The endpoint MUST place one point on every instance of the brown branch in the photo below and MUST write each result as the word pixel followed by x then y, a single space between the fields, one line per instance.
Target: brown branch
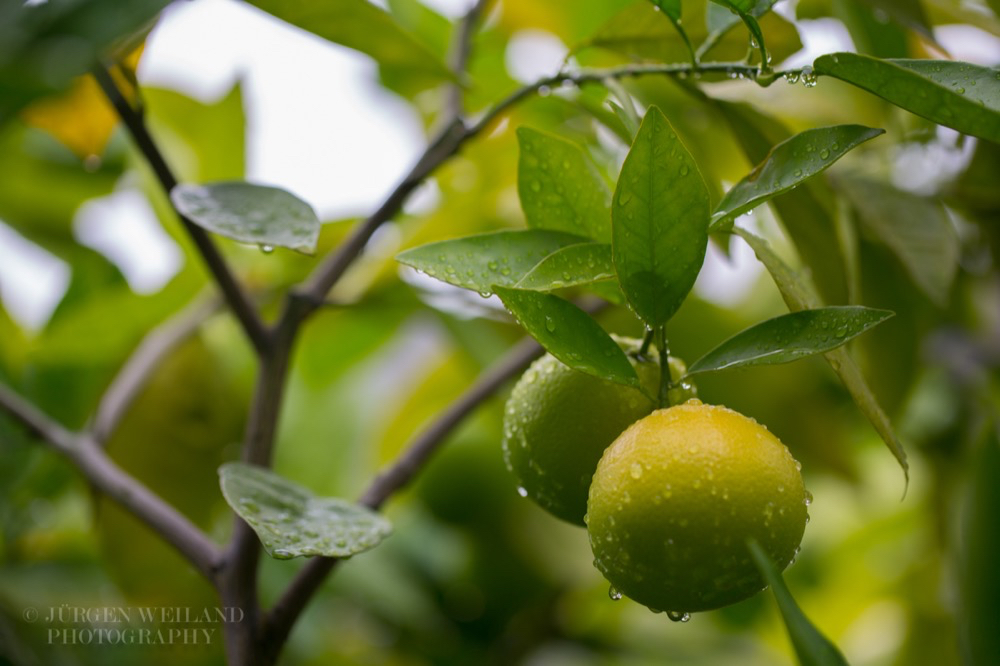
pixel 132 376
pixel 87 456
pixel 278 623
pixel 238 301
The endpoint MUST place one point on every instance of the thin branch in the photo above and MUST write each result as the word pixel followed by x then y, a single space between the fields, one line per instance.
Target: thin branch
pixel 134 375
pixel 460 57
pixel 286 611
pixel 87 456
pixel 238 301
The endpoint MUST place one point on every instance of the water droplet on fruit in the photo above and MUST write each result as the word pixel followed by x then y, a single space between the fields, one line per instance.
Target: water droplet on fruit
pixel 808 498
pixel 636 470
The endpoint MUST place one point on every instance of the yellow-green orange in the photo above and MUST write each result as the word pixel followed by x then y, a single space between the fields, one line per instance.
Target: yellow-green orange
pixel 675 499
pixel 558 422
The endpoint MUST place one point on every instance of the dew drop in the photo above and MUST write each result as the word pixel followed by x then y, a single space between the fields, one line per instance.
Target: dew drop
pixel 678 616
pixel 267 249
pixel 808 499
pixel 522 491
pixel 614 594
pixel 824 154
pixel 635 471
pixel 550 324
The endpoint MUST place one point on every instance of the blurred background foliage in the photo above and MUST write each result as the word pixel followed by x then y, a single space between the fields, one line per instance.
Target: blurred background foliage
pixel 473 573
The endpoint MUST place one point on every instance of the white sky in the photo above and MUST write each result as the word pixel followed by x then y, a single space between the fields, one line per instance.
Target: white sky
pixel 319 126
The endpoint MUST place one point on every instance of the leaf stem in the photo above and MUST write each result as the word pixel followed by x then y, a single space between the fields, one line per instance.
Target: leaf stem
pixel 666 383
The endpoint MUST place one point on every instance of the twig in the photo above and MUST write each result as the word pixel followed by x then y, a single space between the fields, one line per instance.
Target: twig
pixel 117 484
pixel 278 623
pixel 132 377
pixel 255 329
pixel 460 57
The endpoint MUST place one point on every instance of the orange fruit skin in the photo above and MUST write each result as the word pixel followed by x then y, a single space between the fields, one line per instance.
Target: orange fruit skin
pixel 675 499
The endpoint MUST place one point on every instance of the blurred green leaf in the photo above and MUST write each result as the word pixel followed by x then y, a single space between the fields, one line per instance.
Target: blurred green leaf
pixel 569 334
pixel 481 261
pixel 672 8
pixel 292 522
pixel 360 25
pixel 571 266
pixel 560 188
pixel 44 45
pixel 959 95
pixel 790 337
pixel 916 229
pixel 203 142
pixel 788 164
pixel 268 216
pixel 811 647
pixel 979 552
pixel 659 221
pixel 798 297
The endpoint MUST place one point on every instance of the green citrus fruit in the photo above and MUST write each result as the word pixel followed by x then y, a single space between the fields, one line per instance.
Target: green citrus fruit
pixel 558 421
pixel 675 499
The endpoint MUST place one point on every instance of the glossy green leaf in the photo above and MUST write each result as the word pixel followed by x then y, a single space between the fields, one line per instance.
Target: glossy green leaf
pixel 811 647
pixel 571 266
pixel 805 213
pixel 560 188
pixel 791 337
pixel 798 297
pixel 659 221
pixel 719 17
pixel 292 522
pixel 268 216
pixel 569 334
pixel 481 261
pixel 788 164
pixel 364 27
pixel 959 95
pixel 916 229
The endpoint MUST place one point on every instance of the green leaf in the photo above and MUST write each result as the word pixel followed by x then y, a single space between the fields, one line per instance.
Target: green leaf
pixel 798 297
pixel 811 647
pixel 805 213
pixel 744 8
pixel 916 229
pixel 569 334
pixel 791 337
pixel 481 261
pixel 571 266
pixel 672 8
pixel 44 45
pixel 360 25
pixel 659 221
pixel 959 95
pixel 292 522
pixel 979 550
pixel 788 164
pixel 268 216
pixel 560 188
